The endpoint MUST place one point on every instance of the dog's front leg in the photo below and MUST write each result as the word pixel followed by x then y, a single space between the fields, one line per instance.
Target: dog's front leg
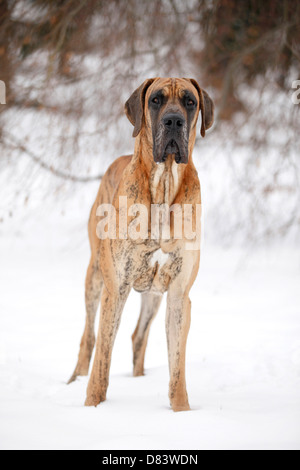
pixel 112 304
pixel 177 328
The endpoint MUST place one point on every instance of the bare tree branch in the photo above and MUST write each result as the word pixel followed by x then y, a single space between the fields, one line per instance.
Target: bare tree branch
pixel 236 61
pixel 9 140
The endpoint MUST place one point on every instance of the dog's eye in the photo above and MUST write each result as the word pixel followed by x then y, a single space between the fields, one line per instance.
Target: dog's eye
pixel 155 100
pixel 190 102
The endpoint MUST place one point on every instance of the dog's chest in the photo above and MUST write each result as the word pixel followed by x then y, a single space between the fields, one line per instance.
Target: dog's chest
pixel 157 270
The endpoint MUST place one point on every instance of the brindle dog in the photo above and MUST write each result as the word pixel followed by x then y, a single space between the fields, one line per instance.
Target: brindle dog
pixel 164 114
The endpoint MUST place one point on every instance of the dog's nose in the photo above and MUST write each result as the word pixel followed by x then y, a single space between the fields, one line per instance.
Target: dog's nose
pixel 173 122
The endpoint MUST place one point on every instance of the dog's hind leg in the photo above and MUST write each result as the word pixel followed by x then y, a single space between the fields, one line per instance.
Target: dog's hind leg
pixel 149 309
pixel 93 288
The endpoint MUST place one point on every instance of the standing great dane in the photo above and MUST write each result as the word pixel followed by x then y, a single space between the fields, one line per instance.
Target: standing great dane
pixel 164 113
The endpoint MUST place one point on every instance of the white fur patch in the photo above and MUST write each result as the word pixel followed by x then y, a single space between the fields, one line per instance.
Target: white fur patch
pixel 175 175
pixel 157 176
pixel 159 257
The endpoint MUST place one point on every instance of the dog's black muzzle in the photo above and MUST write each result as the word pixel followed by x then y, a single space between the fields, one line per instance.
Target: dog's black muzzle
pixel 172 139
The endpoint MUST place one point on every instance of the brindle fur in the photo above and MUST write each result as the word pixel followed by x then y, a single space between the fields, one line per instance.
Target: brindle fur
pixel 119 265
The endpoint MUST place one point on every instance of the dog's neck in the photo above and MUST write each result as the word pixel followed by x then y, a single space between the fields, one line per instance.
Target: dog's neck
pixel 165 181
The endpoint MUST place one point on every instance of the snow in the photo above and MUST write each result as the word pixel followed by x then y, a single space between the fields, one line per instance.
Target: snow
pixel 243 358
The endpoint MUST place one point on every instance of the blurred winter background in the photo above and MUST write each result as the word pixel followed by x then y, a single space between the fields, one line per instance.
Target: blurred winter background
pixel 68 67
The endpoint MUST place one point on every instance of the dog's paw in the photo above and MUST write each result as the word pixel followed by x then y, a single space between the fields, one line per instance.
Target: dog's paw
pixel 72 379
pixel 184 407
pixel 94 399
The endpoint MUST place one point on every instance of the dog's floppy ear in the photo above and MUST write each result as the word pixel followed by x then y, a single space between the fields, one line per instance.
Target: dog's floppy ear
pixel 206 107
pixel 134 106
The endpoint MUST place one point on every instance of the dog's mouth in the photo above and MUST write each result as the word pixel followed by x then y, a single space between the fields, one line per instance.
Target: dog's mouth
pixel 172 148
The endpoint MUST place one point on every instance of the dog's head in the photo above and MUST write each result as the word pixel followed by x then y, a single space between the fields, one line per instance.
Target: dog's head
pixel 167 110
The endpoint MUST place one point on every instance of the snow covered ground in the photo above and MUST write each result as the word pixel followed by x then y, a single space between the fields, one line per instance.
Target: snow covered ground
pixel 243 359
